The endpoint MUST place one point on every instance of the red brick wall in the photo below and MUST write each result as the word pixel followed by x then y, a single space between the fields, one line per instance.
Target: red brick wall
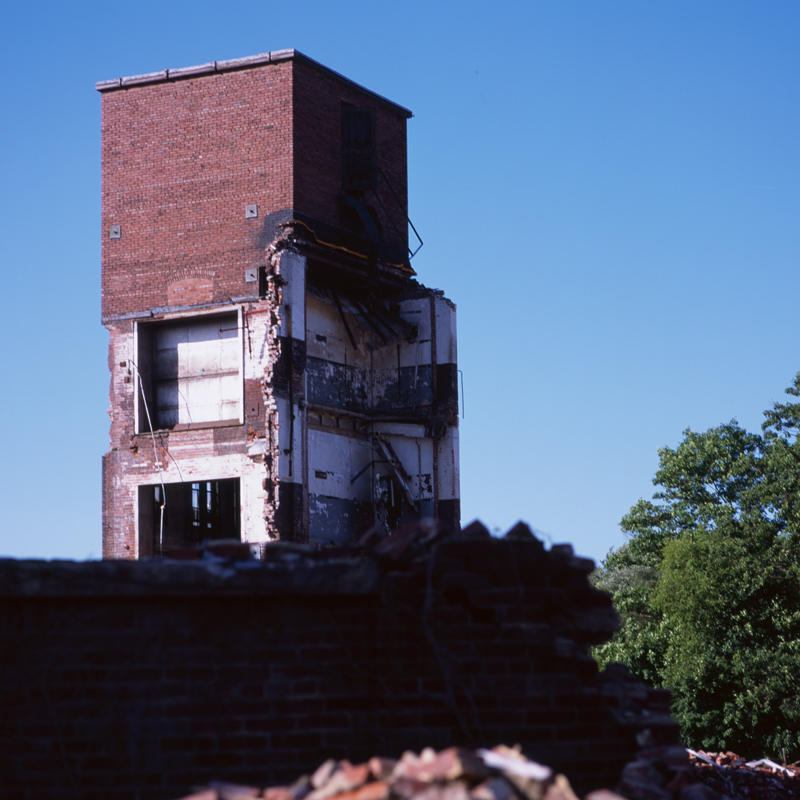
pixel 180 161
pixel 318 100
pixel 131 459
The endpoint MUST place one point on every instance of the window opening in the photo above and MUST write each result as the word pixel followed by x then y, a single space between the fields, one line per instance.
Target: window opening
pixel 192 513
pixel 190 371
pixel 359 151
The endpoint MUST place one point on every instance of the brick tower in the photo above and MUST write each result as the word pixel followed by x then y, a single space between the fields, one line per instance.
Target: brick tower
pixel 276 370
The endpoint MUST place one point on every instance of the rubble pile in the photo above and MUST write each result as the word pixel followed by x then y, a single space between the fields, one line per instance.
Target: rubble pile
pixel 660 773
pixel 455 773
pixel 729 775
pixel 666 772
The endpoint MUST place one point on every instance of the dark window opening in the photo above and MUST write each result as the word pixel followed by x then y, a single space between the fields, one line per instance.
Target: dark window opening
pixel 193 513
pixel 388 504
pixel 359 150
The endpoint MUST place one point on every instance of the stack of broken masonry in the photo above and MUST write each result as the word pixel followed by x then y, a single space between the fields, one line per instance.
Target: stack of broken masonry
pixel 730 775
pixel 658 773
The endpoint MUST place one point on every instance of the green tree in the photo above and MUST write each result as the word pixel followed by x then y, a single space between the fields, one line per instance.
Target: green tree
pixel 708 585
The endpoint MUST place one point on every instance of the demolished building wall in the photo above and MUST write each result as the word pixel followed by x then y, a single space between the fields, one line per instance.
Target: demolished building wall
pixel 141 680
pixel 276 370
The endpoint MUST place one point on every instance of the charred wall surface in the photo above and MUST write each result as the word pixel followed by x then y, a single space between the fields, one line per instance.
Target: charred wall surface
pixel 141 680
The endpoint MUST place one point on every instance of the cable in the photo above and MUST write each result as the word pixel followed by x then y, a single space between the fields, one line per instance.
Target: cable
pixel 186 403
pixel 291 222
pixel 155 455
pixel 177 466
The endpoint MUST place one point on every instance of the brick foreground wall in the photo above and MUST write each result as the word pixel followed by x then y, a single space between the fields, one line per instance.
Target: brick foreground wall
pixel 144 679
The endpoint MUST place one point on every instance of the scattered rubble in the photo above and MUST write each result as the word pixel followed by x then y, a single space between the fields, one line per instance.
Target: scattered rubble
pixel 729 775
pixel 667 772
pixel 455 773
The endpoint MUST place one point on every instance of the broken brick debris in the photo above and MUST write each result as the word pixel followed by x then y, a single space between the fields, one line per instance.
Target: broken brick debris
pixel 454 773
pixel 729 775
pixel 667 772
pixel 675 773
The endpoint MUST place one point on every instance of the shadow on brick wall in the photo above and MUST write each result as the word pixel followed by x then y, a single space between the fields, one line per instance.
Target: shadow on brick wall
pixel 143 679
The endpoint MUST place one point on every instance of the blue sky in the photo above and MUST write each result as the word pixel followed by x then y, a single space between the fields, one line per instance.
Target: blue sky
pixel 609 191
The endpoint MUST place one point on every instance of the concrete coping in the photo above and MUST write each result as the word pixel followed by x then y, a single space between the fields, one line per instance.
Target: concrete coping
pixel 232 64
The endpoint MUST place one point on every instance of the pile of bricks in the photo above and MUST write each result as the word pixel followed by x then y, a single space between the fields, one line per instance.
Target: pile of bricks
pixel 665 772
pixel 455 773
pixel 730 775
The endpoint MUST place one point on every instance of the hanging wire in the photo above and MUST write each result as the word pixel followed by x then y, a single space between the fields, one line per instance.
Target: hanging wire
pixel 155 455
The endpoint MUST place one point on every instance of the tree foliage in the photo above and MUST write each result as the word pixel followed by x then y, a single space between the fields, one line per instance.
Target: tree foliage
pixel 708 585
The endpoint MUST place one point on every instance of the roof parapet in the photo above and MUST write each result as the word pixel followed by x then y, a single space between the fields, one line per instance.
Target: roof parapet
pixel 232 64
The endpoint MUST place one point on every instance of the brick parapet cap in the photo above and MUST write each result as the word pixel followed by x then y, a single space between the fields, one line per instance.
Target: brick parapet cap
pixel 291 574
pixel 233 64
pixel 470 567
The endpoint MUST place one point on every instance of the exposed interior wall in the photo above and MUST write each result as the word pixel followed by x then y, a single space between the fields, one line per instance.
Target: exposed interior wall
pixel 375 426
pixel 191 371
pixel 349 414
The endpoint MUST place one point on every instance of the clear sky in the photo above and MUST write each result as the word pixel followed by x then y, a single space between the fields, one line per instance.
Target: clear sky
pixel 609 191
